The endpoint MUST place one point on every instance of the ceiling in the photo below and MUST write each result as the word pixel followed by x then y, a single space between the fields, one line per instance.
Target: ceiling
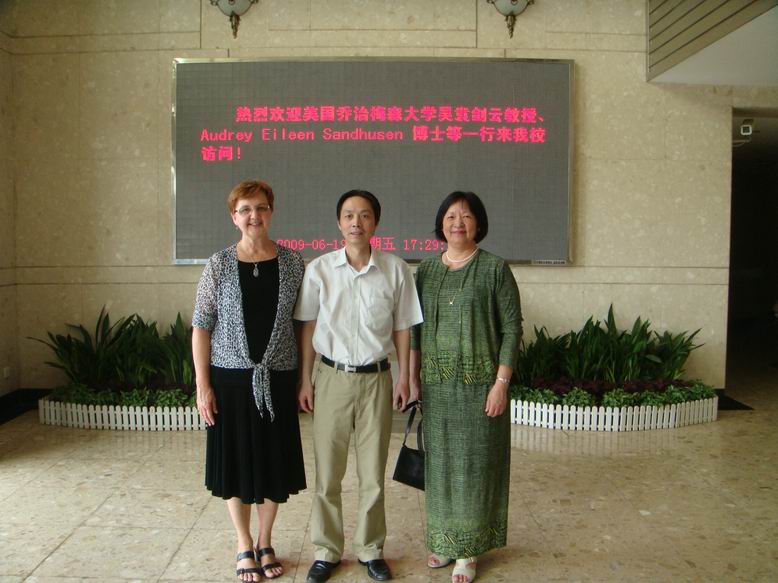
pixel 746 56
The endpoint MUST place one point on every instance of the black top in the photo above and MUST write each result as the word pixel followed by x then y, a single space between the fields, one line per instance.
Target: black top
pixel 260 303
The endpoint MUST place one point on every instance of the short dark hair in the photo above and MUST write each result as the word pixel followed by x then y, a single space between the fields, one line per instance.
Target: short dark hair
pixel 476 206
pixel 368 196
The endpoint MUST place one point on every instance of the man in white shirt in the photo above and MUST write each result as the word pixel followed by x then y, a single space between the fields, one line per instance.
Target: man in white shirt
pixel 357 305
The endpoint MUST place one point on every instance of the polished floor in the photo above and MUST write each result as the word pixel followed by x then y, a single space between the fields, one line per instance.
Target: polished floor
pixel 693 504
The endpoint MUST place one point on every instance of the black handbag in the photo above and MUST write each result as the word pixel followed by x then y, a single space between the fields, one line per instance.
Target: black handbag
pixel 410 463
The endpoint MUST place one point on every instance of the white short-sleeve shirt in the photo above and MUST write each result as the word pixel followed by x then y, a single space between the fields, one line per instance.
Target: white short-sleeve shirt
pixel 356 312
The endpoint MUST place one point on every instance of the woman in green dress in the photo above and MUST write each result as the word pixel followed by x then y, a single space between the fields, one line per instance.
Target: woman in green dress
pixel 462 361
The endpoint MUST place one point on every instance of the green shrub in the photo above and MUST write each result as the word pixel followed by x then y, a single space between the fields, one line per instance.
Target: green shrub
pixel 171 398
pixel 699 390
pixel 541 396
pixel 135 398
pixel 618 398
pixel 578 398
pixel 128 354
pixel 673 395
pixel 650 399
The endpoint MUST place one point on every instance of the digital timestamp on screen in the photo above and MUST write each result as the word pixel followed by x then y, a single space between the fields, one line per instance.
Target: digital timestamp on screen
pixel 382 243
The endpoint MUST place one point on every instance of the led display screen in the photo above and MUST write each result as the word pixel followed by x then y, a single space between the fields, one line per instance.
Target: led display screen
pixel 409 131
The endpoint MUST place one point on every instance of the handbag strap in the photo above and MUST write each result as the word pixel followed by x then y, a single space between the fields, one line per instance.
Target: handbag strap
pixel 419 432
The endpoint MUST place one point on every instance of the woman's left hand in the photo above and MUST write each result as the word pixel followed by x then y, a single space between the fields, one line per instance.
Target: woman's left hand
pixel 497 400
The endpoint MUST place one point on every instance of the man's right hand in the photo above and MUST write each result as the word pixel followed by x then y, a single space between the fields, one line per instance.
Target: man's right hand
pixel 305 396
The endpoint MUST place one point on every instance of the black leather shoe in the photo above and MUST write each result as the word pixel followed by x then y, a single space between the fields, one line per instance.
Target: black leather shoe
pixel 377 569
pixel 320 571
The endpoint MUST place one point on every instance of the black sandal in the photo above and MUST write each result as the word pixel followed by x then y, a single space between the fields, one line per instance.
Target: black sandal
pixel 247 570
pixel 270 566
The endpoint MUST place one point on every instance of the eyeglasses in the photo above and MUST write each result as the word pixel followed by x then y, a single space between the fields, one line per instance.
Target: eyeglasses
pixel 245 211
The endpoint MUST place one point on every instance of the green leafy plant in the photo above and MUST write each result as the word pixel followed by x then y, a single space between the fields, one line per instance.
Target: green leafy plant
pixel 699 390
pixel 618 398
pixel 541 396
pixel 140 355
pixel 178 365
pixel 672 352
pixel 674 395
pixel 171 398
pixel 541 358
pixel 578 398
pixel 88 359
pixel 135 398
pixel 650 399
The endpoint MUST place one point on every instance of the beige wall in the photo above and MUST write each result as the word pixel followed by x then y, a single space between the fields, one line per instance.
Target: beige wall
pixel 91 101
pixel 8 329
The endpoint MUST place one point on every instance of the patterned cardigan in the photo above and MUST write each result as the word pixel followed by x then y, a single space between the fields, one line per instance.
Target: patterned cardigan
pixel 219 309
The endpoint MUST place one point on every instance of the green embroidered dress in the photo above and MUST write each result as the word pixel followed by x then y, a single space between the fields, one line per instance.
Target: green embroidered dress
pixel 472 324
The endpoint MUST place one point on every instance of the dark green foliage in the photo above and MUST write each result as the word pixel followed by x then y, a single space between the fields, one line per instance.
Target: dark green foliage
pixel 136 398
pixel 542 358
pixel 86 359
pixel 650 399
pixel 603 353
pixel 178 368
pixel 126 357
pixel 578 398
pixel 618 398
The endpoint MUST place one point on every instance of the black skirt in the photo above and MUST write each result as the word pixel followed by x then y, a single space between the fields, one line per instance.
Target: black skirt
pixel 248 456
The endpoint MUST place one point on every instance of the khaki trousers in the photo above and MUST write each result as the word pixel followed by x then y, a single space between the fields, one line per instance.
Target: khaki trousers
pixel 346 403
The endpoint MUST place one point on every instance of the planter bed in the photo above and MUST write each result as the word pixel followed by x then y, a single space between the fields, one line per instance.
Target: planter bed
pixel 120 418
pixel 613 418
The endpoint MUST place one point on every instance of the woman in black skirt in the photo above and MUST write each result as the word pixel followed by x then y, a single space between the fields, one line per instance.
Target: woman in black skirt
pixel 245 359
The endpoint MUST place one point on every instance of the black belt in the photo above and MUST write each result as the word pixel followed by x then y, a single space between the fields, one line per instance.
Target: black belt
pixel 380 366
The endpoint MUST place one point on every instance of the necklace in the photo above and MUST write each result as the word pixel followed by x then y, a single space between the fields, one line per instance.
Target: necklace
pixel 255 273
pixel 448 257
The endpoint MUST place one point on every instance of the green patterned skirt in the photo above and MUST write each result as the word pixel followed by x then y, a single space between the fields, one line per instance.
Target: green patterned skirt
pixel 467 470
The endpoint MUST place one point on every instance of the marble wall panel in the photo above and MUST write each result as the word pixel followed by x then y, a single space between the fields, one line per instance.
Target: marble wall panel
pixel 697 123
pixel 652 213
pixel 100 17
pixel 7 206
pixel 42 309
pixel 9 356
pixel 396 15
pixel 101 213
pixel 557 307
pixel 123 211
pixel 291 14
pixel 117 113
pixel 617 116
pixel 5 40
pixel 175 298
pixel 597 16
pixel 179 15
pixel 120 300
pixel 26 18
pixel 46 106
pixel 390 38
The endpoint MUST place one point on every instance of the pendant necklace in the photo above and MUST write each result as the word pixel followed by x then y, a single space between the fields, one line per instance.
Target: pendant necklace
pixel 255 273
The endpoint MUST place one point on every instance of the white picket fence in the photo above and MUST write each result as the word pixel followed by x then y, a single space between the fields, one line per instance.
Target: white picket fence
pixel 121 418
pixel 613 418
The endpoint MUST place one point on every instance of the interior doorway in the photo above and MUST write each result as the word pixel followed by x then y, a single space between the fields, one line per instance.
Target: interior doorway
pixel 752 335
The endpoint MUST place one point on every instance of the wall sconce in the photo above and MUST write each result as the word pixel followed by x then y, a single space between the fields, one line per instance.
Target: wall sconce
pixel 234 9
pixel 510 9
